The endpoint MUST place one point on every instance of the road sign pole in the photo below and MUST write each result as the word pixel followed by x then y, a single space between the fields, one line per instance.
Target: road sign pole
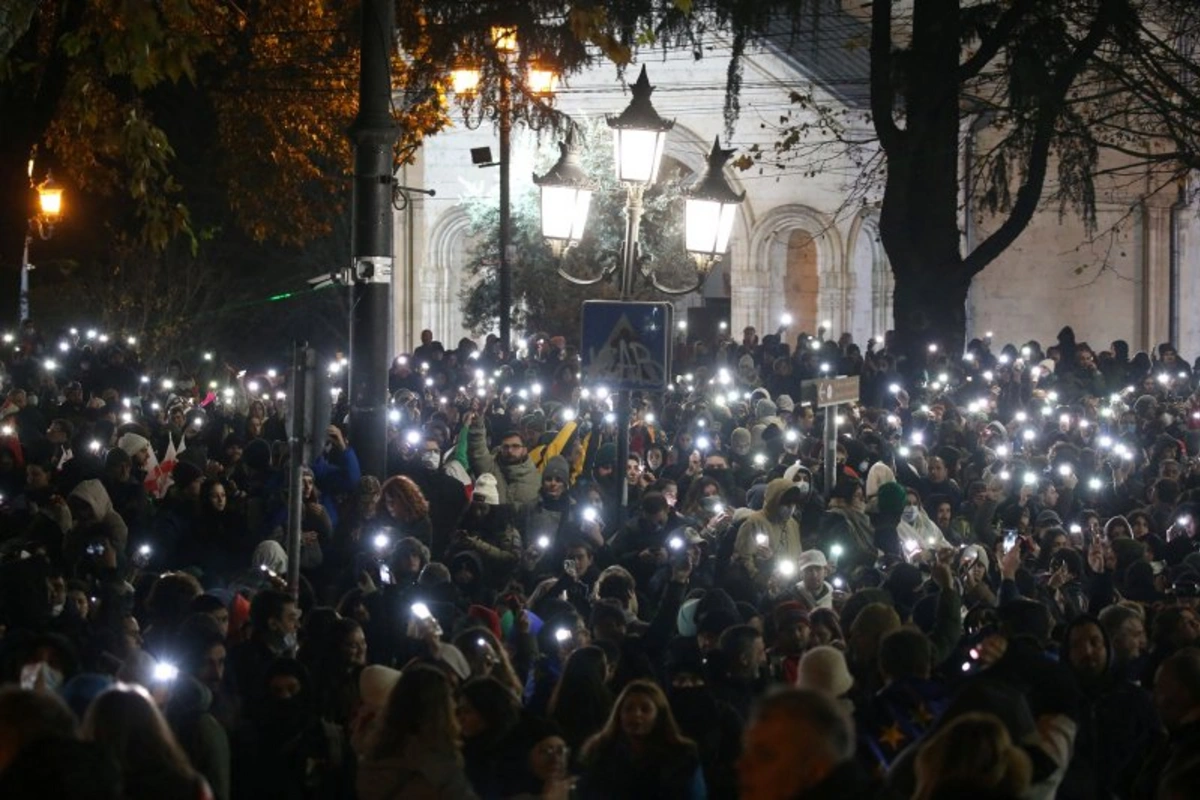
pixel 829 394
pixel 830 449
pixel 623 403
pixel 626 347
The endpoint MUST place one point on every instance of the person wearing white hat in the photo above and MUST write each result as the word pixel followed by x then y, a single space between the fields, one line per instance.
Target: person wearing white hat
pixel 375 683
pixel 825 668
pixel 813 589
pixel 138 448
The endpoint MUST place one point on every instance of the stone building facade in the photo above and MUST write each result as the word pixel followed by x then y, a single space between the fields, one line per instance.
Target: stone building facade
pixel 796 247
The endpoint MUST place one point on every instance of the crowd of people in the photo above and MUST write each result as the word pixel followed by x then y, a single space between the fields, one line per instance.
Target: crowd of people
pixel 996 597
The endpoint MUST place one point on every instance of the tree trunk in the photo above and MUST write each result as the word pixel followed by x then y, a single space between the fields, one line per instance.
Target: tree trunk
pixel 930 309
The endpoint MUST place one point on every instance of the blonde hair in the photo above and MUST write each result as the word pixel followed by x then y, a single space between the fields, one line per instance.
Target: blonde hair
pixel 972 752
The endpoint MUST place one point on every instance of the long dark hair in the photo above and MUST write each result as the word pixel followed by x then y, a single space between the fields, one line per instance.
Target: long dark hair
pixel 495 704
pixel 665 736
pixel 581 701
pixel 693 500
pixel 125 722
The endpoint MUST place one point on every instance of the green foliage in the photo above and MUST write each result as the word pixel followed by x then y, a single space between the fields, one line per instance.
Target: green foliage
pixel 543 300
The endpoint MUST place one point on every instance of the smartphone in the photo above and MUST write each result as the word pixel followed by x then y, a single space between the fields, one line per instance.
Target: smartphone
pixel 421 611
pixel 95 549
pixel 1010 539
pixel 385 574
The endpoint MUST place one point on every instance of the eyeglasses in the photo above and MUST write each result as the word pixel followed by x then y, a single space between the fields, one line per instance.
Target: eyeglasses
pixel 554 750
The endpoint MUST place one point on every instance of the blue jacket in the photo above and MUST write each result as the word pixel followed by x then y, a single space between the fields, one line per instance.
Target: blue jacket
pixel 336 474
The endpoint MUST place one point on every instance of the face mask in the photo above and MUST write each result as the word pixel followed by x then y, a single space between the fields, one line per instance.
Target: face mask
pixel 288 641
pixel 432 459
pixel 909 514
pixel 56 610
pixel 805 487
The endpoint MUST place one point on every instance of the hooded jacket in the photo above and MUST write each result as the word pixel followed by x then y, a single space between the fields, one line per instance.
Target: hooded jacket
pixel 476 592
pixel 783 537
pixel 1117 724
pixel 104 519
pixel 518 483
pixel 879 474
pixel 852 530
pixel 917 533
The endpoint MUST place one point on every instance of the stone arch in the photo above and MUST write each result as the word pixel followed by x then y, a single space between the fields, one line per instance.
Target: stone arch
pixel 442 276
pixel 871 301
pixel 762 303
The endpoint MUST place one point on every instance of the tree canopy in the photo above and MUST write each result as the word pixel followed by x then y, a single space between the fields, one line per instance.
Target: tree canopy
pixel 196 120
pixel 1032 104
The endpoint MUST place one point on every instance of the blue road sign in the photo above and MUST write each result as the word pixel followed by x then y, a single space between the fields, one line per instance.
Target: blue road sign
pixel 627 345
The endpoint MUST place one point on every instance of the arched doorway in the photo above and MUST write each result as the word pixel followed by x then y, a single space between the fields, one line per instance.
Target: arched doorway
pixel 801 284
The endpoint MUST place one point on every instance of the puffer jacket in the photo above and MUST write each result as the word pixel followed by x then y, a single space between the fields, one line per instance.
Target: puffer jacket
pixel 519 483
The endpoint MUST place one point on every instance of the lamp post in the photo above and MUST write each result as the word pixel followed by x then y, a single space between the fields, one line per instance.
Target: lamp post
pixel 372 252
pixel 539 82
pixel 566 198
pixel 639 137
pixel 711 209
pixel 49 211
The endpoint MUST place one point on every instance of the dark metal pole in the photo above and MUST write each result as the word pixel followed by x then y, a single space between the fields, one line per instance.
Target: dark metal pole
pixel 23 311
pixel 506 298
pixel 299 432
pixel 374 135
pixel 633 227
pixel 312 434
pixel 830 449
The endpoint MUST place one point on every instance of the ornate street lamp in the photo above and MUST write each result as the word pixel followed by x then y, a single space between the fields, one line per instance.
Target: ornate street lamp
pixel 566 195
pixel 50 196
pixel 639 136
pixel 711 210
pixel 464 81
pixel 50 208
pixel 539 81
